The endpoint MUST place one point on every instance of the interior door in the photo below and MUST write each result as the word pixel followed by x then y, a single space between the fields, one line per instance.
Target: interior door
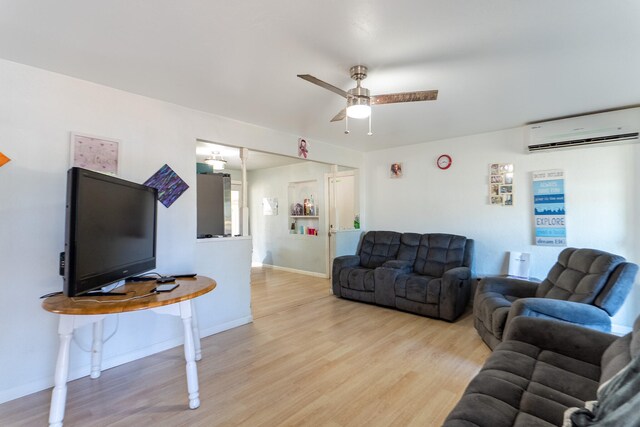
pixel 342 209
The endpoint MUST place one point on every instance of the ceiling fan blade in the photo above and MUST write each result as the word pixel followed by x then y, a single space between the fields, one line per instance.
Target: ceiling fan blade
pixel 325 85
pixel 340 116
pixel 391 98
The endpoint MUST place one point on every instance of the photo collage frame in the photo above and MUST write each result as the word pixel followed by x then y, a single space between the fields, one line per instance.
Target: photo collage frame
pixel 501 184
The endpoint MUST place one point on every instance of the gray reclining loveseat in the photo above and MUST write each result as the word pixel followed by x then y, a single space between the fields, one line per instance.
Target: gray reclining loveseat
pixel 543 367
pixel 426 274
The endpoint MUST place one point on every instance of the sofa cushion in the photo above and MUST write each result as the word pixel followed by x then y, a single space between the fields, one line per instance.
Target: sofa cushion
pixel 409 244
pixel 418 288
pixel 578 275
pixel 521 384
pixel 438 253
pixel 378 247
pixel 356 278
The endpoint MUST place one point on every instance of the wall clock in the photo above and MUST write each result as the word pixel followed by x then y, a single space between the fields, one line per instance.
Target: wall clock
pixel 444 161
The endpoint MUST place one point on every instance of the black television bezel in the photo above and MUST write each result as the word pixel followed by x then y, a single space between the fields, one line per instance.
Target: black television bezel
pixel 72 285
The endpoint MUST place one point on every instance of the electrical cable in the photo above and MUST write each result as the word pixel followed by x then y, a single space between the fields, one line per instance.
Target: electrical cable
pixel 89 350
pixel 115 300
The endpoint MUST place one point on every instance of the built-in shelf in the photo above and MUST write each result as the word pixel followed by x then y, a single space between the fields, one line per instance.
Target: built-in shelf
pixel 301 194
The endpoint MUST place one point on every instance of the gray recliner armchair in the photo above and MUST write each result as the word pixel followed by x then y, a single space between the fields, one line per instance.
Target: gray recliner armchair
pixel 584 287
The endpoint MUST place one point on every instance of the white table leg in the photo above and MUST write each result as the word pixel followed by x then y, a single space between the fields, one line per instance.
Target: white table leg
pixel 183 309
pixel 196 330
pixel 189 355
pixel 59 395
pixel 96 349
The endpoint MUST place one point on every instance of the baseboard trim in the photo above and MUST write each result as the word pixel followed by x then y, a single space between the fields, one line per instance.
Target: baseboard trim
pixel 291 270
pixel 83 371
pixel 216 329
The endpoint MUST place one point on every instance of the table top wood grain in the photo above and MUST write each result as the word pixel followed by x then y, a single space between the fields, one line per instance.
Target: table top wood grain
pixel 139 296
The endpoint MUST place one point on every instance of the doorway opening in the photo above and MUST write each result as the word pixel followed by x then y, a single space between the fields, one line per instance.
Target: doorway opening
pixel 265 193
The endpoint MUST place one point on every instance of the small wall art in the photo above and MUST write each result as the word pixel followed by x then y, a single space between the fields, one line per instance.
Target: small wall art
pixel 501 184
pixel 395 171
pixel 169 185
pixel 4 159
pixel 270 206
pixel 303 148
pixel 96 153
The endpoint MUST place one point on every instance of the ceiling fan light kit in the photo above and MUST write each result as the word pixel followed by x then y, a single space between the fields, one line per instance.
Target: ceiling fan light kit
pixel 359 99
pixel 358 108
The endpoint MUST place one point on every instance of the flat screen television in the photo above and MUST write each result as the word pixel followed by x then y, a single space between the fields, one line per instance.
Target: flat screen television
pixel 110 230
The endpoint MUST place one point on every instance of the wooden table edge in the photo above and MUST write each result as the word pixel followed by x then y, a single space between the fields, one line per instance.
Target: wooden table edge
pixel 189 288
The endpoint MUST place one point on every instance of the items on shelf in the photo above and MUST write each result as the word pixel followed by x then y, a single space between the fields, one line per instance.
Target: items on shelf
pixel 308 231
pixel 309 206
pixel 304 213
pixel 297 210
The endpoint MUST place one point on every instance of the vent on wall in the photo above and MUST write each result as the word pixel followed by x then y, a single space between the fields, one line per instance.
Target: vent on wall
pixel 600 129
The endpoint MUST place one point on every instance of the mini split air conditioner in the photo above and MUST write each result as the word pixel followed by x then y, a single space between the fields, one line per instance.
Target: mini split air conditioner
pixel 592 130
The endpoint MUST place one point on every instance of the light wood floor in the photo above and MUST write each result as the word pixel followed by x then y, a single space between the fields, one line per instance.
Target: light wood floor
pixel 308 359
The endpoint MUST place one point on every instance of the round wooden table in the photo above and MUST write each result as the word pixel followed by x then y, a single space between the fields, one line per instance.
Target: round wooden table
pixel 79 311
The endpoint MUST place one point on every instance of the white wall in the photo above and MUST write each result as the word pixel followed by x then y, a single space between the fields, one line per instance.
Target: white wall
pixel 602 186
pixel 38 109
pixel 273 245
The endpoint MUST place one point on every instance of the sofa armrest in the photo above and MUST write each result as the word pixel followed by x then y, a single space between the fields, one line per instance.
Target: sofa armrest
pixel 563 338
pixel 399 264
pixel 338 264
pixel 580 314
pixel 455 289
pixel 458 273
pixel 519 288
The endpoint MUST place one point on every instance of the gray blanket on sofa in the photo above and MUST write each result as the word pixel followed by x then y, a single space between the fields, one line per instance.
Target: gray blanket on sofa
pixel 618 401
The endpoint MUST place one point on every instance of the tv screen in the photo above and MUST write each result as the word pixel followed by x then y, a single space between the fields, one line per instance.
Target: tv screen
pixel 110 230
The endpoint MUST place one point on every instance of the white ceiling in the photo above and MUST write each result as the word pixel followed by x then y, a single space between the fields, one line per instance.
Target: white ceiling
pixel 497 64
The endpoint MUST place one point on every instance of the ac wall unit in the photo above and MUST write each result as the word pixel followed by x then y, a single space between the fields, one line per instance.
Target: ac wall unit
pixel 593 130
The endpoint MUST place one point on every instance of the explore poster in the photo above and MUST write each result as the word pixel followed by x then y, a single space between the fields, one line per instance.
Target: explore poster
pixel 548 208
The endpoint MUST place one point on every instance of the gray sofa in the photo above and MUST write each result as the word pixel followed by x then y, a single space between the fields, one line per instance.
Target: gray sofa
pixel 426 274
pixel 544 367
pixel 585 287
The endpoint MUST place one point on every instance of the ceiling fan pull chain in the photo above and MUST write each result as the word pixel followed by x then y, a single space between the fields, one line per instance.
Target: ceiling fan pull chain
pixel 370 133
pixel 346 125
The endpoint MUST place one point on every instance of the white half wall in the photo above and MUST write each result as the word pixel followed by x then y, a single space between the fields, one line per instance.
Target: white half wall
pixel 601 186
pixel 38 110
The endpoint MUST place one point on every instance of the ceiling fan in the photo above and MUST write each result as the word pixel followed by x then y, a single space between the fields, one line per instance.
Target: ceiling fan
pixel 359 100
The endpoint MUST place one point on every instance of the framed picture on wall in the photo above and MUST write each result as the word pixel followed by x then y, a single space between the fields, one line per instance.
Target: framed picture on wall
pixel 269 206
pixel 501 184
pixel 395 171
pixel 303 148
pixel 95 153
